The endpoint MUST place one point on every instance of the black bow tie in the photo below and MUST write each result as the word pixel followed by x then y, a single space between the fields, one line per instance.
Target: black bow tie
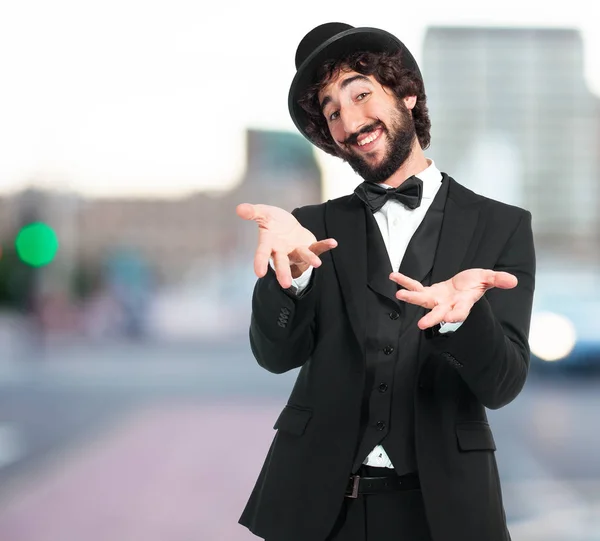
pixel 409 193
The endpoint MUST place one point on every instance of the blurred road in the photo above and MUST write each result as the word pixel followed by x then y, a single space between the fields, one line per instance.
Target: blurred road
pixel 123 442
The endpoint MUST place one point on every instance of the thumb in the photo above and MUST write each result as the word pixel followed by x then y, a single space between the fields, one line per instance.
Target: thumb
pixel 246 211
pixel 322 246
pixel 504 280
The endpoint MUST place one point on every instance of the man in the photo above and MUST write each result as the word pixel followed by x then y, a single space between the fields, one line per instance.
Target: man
pixel 406 306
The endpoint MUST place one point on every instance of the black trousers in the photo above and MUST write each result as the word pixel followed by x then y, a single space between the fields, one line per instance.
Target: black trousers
pixel 396 516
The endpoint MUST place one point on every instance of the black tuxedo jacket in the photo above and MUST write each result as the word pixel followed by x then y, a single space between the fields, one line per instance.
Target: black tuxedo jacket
pixel 484 363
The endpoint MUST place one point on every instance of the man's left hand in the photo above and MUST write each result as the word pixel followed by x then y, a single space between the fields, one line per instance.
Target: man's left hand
pixel 452 300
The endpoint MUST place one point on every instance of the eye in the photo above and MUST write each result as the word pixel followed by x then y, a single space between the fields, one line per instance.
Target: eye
pixel 334 115
pixel 362 96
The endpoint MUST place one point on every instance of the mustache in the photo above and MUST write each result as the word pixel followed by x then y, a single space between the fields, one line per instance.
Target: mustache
pixel 353 139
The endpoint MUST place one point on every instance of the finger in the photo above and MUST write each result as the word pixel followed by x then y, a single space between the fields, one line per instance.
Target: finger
pixel 322 246
pixel 416 297
pixel 262 254
pixel 504 280
pixel 436 316
pixel 459 312
pixel 306 255
pixel 406 282
pixel 252 212
pixel 282 269
pixel 245 211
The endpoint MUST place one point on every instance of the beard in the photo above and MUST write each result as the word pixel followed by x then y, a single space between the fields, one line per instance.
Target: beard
pixel 400 137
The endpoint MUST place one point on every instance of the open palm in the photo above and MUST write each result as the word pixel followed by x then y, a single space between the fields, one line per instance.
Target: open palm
pixel 451 301
pixel 280 236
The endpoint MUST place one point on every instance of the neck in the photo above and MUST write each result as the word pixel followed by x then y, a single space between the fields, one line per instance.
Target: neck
pixel 414 164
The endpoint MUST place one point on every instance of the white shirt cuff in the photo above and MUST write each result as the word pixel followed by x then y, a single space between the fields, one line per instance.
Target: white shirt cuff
pixel 298 284
pixel 450 327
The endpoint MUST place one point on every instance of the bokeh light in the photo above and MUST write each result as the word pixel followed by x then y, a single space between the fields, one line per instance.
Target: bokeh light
pixel 37 244
pixel 552 336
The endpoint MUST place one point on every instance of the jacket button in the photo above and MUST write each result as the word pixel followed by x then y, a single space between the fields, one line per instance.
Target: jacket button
pixel 388 350
pixel 380 425
pixel 383 387
pixel 394 315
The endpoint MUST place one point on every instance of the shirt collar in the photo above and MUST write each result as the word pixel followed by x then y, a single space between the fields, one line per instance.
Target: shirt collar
pixel 431 177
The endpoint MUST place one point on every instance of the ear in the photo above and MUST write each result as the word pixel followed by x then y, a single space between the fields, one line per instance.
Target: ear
pixel 410 102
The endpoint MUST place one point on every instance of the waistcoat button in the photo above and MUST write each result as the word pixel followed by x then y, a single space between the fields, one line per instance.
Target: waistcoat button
pixel 383 387
pixel 388 350
pixel 380 425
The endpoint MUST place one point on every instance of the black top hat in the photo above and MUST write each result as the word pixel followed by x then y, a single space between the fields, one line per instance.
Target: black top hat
pixel 328 42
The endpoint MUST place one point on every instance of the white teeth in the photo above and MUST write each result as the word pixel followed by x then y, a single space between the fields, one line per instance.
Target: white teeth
pixel 368 139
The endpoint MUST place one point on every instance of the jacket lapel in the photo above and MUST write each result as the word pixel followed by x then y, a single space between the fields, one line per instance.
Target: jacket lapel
pixel 458 228
pixel 378 261
pixel 345 222
pixel 421 250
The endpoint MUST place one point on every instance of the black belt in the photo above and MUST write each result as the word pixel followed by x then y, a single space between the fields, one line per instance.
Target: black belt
pixel 358 485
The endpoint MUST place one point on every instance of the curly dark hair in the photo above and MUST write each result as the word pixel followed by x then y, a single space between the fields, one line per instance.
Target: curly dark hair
pixel 388 71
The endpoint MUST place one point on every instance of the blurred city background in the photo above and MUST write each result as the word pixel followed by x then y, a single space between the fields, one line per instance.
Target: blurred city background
pixel 131 407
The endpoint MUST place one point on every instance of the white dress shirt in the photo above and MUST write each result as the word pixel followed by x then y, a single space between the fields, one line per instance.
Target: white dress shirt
pixel 397 224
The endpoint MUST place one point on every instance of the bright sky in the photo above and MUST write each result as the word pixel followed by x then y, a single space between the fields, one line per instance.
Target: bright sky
pixel 126 97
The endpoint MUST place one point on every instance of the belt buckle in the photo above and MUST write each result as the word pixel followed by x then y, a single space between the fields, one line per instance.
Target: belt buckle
pixel 355 482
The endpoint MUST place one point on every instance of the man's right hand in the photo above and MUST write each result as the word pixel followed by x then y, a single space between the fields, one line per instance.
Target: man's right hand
pixel 294 248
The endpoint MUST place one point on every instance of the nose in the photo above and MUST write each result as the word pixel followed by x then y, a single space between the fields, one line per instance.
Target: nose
pixel 352 120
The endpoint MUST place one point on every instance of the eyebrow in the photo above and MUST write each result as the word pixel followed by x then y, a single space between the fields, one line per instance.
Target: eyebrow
pixel 343 85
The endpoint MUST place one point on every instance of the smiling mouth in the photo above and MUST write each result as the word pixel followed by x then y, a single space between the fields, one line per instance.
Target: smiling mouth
pixel 368 141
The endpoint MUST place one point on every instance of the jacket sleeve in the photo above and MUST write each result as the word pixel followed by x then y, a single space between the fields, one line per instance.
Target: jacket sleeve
pixel 282 325
pixel 491 348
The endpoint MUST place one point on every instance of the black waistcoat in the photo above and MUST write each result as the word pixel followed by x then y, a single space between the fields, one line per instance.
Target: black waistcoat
pixel 393 341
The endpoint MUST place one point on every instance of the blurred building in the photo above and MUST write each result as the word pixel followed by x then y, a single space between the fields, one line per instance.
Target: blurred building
pixel 202 230
pixel 168 233
pixel 7 216
pixel 196 234
pixel 513 118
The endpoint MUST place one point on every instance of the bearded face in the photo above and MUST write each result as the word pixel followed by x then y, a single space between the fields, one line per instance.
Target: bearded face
pixel 397 139
pixel 373 130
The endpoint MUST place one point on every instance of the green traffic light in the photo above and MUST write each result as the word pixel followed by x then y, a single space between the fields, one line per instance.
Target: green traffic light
pixel 36 244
